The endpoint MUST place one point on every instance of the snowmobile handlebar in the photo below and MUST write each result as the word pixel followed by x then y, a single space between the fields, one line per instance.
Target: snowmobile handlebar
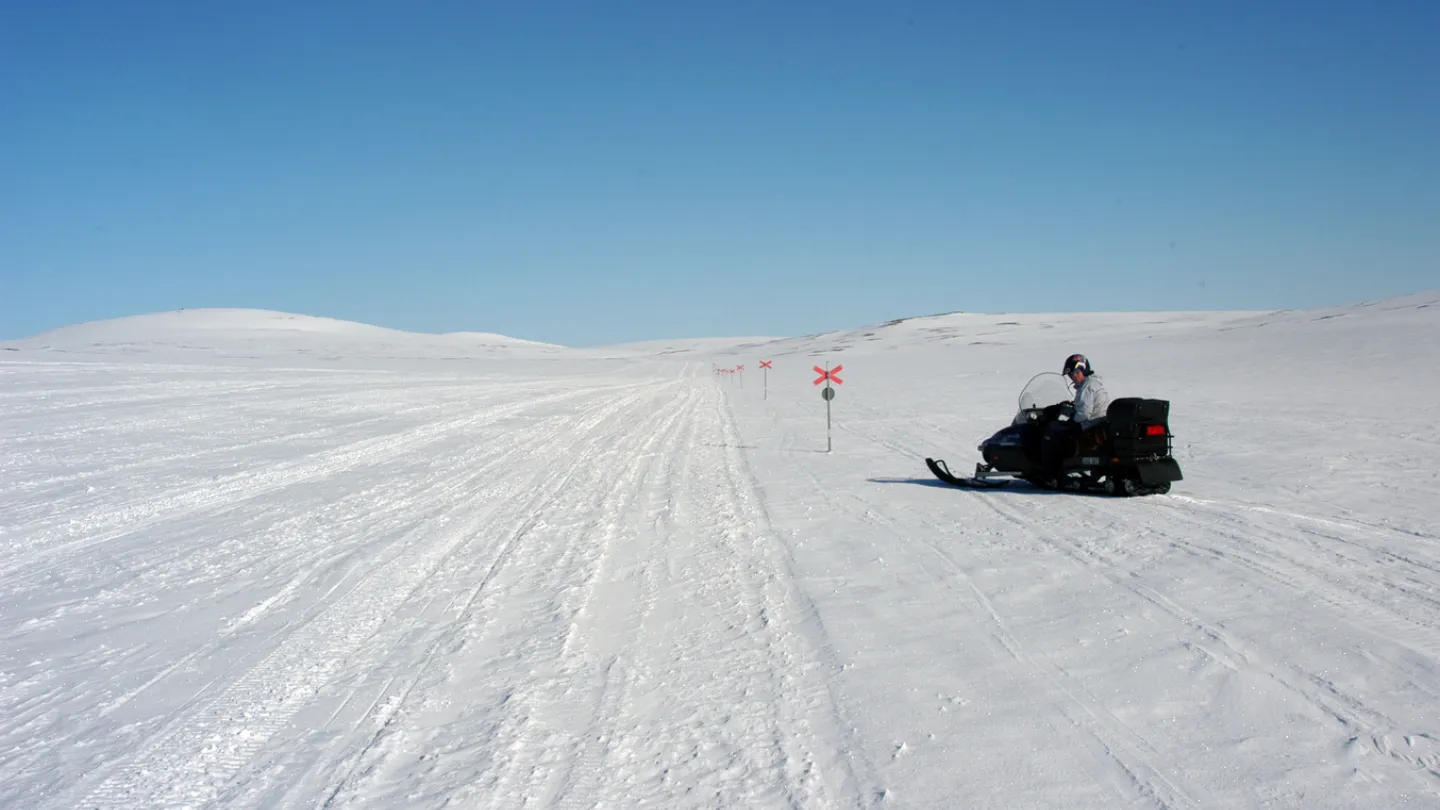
pixel 1059 409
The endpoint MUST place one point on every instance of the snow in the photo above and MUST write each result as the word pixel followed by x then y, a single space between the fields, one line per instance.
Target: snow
pixel 263 337
pixel 268 561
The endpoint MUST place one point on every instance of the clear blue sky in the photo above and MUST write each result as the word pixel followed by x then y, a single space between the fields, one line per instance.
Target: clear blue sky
pixel 596 172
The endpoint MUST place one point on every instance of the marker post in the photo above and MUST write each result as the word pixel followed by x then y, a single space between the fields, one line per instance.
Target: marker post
pixel 827 376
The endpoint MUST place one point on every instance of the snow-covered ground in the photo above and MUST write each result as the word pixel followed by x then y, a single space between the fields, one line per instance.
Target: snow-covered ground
pixel 256 560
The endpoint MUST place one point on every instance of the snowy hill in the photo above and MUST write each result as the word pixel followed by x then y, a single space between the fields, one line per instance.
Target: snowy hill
pixel 682 347
pixel 441 573
pixel 252 334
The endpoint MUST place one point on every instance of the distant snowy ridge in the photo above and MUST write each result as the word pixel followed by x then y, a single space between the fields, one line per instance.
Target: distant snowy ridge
pixel 244 335
pixel 977 330
pixel 255 334
pixel 494 337
pixel 150 326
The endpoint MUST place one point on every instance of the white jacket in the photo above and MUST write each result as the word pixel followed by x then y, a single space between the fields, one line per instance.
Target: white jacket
pixel 1091 399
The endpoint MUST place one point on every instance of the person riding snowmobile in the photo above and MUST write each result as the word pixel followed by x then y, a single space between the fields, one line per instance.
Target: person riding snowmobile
pixel 1061 439
pixel 1091 398
pixel 1090 443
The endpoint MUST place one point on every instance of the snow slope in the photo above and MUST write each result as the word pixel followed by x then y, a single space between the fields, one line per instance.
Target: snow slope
pixel 257 336
pixel 400 576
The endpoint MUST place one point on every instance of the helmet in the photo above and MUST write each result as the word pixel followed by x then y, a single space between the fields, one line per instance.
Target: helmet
pixel 1076 362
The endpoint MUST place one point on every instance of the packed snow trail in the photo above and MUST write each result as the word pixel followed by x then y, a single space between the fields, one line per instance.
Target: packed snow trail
pixel 557 595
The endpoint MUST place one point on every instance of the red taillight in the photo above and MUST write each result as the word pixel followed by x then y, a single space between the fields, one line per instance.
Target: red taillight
pixel 1154 430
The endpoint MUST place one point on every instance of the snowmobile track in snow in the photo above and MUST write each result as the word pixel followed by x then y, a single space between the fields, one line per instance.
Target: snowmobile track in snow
pixel 47 547
pixel 1352 712
pixel 1112 744
pixel 195 753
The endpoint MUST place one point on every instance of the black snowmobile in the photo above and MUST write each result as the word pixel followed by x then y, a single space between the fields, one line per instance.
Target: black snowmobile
pixel 1125 452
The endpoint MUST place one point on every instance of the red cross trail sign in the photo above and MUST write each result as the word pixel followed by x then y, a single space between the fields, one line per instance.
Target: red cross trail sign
pixel 765 364
pixel 827 376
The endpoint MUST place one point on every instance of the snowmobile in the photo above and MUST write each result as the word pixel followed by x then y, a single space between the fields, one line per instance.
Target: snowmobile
pixel 1126 452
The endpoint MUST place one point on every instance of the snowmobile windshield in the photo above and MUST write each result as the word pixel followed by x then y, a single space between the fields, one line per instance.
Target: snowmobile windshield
pixel 1044 390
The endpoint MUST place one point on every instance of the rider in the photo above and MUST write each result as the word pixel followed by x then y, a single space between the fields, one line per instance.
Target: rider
pixel 1060 438
pixel 1091 399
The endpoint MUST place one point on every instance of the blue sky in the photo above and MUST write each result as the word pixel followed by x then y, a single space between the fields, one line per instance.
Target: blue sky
pixel 589 173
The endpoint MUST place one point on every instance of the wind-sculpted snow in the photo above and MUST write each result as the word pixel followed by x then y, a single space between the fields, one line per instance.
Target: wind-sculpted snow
pixel 621 579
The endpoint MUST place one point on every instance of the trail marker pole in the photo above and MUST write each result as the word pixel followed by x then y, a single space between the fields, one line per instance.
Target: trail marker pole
pixel 765 379
pixel 827 376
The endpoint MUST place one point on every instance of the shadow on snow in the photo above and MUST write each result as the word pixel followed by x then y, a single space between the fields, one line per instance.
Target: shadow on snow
pixel 1015 487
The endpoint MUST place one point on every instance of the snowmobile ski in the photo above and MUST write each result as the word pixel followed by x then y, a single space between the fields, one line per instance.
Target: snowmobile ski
pixel 942 471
